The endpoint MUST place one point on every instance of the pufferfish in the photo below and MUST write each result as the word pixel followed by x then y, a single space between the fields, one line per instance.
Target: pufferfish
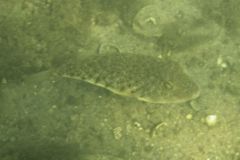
pixel 144 77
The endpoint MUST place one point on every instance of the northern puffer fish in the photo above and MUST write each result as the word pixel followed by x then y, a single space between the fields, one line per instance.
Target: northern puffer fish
pixel 146 78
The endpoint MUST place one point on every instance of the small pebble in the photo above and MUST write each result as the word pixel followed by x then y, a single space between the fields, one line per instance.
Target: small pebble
pixel 221 63
pixel 211 120
pixel 189 116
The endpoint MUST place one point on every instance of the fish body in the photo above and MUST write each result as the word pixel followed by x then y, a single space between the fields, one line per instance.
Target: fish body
pixel 146 78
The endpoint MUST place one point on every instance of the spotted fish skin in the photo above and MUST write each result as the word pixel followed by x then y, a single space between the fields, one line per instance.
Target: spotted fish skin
pixel 146 78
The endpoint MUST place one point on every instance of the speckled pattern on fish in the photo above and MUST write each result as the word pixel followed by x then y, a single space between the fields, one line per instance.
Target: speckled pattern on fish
pixel 146 78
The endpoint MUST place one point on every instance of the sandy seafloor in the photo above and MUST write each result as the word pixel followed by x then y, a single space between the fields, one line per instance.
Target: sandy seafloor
pixel 43 116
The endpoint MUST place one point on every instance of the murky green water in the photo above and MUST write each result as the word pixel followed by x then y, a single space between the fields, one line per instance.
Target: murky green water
pixel 119 80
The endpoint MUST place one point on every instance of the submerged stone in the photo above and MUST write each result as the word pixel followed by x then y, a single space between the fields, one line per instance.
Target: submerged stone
pixel 151 20
pixel 144 77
